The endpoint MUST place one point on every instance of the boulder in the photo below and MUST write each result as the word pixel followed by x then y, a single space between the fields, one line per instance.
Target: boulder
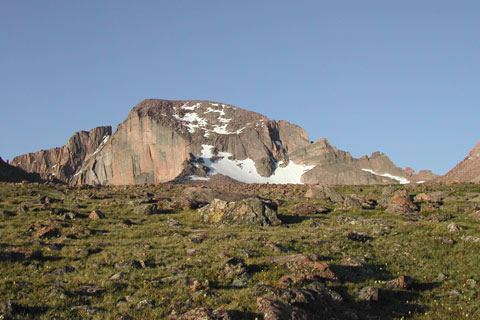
pixel 454 228
pixel 313 301
pixel 48 232
pixel 323 193
pixel 208 314
pixel 308 208
pixel 303 264
pixel 96 214
pixel 274 309
pixel 402 283
pixel 370 294
pixel 433 197
pixel 401 204
pixel 252 211
pixel 146 209
pixel 353 201
pixel 238 271
pixel 196 197
pixel 359 237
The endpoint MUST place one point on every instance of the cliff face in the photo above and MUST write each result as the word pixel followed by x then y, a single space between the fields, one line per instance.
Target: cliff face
pixel 63 162
pixel 159 137
pixel 142 150
pixel 164 140
pixel 468 170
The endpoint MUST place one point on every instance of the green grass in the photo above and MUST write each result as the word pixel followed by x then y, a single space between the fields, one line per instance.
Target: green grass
pixel 399 247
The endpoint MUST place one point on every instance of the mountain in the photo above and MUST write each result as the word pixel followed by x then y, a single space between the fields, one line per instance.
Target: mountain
pixel 185 141
pixel 466 171
pixel 9 173
pixel 62 163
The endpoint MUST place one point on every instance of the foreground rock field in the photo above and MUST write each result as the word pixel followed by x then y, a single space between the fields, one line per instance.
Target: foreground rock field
pixel 295 252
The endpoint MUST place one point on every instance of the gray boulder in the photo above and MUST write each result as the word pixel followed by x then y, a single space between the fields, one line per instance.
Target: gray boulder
pixel 251 211
pixel 323 193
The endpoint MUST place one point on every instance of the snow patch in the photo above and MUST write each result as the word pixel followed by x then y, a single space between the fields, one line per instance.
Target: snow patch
pixel 401 180
pixel 197 178
pixel 245 171
pixel 209 109
pixel 421 182
pixel 221 130
pixel 185 107
pixel 104 141
pixel 192 121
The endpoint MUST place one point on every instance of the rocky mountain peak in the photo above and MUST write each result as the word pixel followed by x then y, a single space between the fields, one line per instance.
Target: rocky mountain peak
pixel 197 117
pixel 195 140
pixel 475 152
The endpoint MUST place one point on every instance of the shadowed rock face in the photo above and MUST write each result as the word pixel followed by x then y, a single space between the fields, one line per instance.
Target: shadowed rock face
pixel 467 170
pixel 9 173
pixel 63 162
pixel 163 140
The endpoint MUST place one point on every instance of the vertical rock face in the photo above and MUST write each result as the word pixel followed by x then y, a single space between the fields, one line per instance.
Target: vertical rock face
pixel 63 162
pixel 466 171
pixel 160 138
pixel 142 150
pixel 163 140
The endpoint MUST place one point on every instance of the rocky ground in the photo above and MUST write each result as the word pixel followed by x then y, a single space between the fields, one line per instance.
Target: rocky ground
pixel 257 252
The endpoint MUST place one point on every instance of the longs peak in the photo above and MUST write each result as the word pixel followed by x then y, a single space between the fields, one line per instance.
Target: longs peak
pixel 194 140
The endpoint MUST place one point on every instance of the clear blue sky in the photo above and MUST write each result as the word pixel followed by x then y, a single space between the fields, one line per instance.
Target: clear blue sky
pixel 402 77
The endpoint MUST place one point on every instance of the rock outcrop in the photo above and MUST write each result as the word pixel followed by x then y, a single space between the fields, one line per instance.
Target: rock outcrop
pixel 63 162
pixel 337 167
pixel 195 141
pixel 466 171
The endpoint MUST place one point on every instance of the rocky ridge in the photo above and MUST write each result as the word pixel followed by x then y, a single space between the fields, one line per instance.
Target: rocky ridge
pixel 199 141
pixel 468 170
pixel 62 163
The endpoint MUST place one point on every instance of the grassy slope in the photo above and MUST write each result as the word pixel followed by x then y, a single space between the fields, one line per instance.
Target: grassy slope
pixel 399 247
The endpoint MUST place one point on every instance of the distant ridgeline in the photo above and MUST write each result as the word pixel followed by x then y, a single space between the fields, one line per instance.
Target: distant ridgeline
pixel 210 142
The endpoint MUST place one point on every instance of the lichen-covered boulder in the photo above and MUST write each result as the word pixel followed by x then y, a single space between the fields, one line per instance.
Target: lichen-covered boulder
pixel 401 204
pixel 146 209
pixel 251 211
